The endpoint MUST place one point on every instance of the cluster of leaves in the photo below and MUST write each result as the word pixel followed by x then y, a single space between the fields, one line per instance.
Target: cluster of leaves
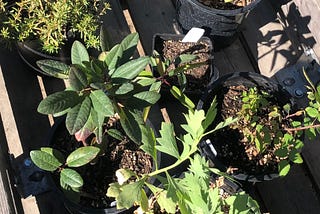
pixel 181 64
pixel 191 193
pixel 100 88
pixel 267 126
pixel 115 86
pixel 52 22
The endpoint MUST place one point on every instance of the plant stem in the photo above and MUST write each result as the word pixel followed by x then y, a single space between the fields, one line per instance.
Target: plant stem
pixel 302 128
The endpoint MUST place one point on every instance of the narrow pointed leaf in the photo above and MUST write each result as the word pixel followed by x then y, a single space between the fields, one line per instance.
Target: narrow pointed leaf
pixel 105 39
pixel 129 70
pixel 150 97
pixel 77 79
pixel 101 103
pixel 71 178
pixel 44 160
pixel 149 142
pixel 78 116
pixel 128 46
pixel 54 68
pixel 130 122
pixel 58 102
pixel 184 100
pixel 167 140
pixel 210 115
pixel 79 53
pixel 82 156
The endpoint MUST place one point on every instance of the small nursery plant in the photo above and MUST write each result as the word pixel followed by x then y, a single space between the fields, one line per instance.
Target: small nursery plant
pixel 268 126
pixel 52 22
pixel 102 91
pixel 194 191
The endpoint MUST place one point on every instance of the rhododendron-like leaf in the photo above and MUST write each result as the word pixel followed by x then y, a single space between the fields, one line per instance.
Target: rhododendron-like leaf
pixel 82 156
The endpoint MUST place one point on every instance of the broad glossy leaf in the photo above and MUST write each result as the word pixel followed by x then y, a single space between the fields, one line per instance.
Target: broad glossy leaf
pixel 55 153
pixel 54 68
pixel 128 45
pixel 82 156
pixel 129 70
pixel 150 97
pixel 71 178
pixel 77 79
pixel 167 141
pixel 146 81
pixel 125 88
pixel 184 100
pixel 79 53
pixel 105 40
pixel 113 57
pixel 130 194
pixel 59 102
pixel 101 103
pixel 78 116
pixel 130 122
pixel 44 160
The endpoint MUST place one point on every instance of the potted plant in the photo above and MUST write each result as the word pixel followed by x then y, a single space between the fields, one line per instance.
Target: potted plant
pixel 195 191
pixel 187 65
pixel 268 135
pixel 47 29
pixel 220 18
pixel 106 110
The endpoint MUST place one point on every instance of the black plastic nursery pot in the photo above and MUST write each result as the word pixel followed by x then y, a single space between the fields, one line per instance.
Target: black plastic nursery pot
pixel 56 135
pixel 220 25
pixel 30 52
pixel 195 87
pixel 212 146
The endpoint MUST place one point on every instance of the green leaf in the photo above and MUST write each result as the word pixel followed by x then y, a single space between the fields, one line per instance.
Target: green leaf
pixel 167 140
pixel 105 39
pixel 78 116
pixel 295 156
pixel 125 88
pixel 71 178
pixel 128 45
pixel 102 103
pixel 281 152
pixel 144 203
pixel 77 79
pixel 184 100
pixel 113 57
pixel 149 142
pixel 54 68
pixel 166 203
pixel 58 102
pixel 225 123
pixel 123 175
pixel 82 156
pixel 184 58
pixel 210 115
pixel 114 190
pixel 44 160
pixel 55 153
pixel 79 53
pixel 283 167
pixel 194 123
pixel 146 98
pixel 130 193
pixel 116 134
pixel 130 121
pixel 312 112
pixel 129 70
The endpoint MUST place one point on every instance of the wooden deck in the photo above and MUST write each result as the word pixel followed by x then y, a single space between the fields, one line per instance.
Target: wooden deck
pixel 272 38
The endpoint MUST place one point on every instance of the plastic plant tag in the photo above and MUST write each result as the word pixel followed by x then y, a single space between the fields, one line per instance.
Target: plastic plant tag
pixel 193 35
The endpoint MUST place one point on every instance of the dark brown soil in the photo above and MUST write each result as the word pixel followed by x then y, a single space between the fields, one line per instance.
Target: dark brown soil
pixel 221 5
pixel 198 77
pixel 234 149
pixel 97 176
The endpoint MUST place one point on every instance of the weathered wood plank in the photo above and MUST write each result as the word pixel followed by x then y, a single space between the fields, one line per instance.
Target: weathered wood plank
pixel 151 17
pixel 268 42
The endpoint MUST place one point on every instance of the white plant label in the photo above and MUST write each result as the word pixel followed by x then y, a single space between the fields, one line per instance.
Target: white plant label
pixel 193 35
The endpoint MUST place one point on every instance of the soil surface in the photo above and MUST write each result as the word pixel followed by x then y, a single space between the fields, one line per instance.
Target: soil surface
pixel 222 5
pixel 197 78
pixel 233 148
pixel 98 175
